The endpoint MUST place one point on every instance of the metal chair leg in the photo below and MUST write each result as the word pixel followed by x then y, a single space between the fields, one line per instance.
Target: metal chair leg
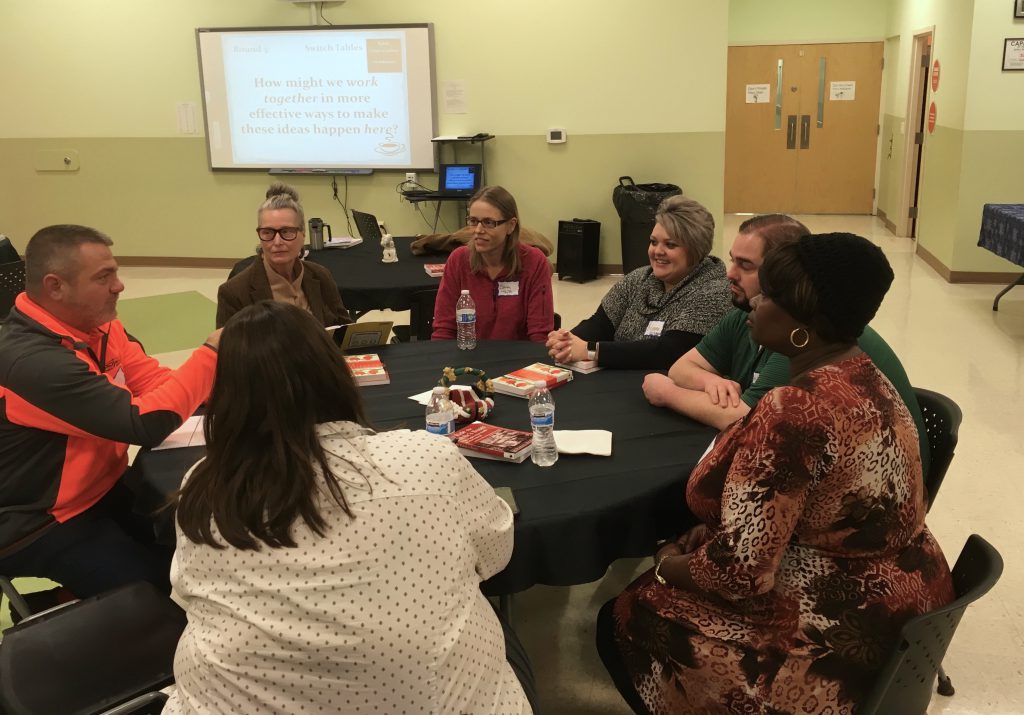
pixel 18 603
pixel 945 686
pixel 505 606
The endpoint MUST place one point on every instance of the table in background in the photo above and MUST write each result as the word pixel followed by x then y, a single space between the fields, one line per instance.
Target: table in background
pixel 576 517
pixel 1002 233
pixel 368 284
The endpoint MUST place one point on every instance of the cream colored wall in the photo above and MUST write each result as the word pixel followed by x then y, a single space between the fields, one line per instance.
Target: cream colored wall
pixel 639 88
pixel 788 21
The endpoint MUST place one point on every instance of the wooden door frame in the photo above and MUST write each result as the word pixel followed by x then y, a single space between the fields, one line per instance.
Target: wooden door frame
pixel 915 104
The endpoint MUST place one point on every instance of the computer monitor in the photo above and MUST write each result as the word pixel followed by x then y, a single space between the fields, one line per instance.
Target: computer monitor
pixel 460 179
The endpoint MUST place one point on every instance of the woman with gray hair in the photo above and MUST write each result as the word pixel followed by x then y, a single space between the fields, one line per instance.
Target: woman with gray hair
pixel 279 273
pixel 657 313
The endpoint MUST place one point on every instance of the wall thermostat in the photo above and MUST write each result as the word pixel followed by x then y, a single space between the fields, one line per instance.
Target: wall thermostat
pixel 556 136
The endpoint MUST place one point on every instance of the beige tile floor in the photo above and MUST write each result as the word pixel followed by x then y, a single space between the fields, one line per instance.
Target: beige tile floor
pixel 951 341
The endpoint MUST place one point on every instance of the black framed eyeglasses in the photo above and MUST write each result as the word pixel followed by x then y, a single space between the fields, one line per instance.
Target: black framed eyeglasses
pixel 287 233
pixel 485 222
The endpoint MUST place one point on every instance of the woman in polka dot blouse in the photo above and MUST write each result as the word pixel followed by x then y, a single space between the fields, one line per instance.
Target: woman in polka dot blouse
pixel 324 567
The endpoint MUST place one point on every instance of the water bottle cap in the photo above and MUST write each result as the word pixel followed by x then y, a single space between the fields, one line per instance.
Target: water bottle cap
pixel 440 389
pixel 465 292
pixel 539 384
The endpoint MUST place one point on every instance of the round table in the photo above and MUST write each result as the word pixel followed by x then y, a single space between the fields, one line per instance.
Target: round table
pixel 576 517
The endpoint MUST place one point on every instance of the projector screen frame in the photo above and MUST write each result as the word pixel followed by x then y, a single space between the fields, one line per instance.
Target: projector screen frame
pixel 427 155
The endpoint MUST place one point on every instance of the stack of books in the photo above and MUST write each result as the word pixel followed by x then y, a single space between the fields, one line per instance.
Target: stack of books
pixel 342 242
pixel 584 367
pixel 492 442
pixel 367 369
pixel 434 270
pixel 520 383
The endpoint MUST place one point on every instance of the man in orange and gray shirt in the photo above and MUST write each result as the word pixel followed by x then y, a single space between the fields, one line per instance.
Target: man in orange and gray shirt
pixel 75 391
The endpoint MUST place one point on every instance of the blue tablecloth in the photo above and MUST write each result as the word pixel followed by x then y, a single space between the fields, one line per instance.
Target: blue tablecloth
pixel 1002 231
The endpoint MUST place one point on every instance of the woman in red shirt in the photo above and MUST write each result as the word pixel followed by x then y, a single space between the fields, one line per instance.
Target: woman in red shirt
pixel 509 281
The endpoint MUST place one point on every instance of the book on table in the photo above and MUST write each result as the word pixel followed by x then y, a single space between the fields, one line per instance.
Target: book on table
pixel 520 383
pixel 584 367
pixel 342 242
pixel 434 270
pixel 368 369
pixel 480 439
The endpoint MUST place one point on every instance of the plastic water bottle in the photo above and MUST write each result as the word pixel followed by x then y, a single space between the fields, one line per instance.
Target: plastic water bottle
pixel 542 419
pixel 465 319
pixel 440 414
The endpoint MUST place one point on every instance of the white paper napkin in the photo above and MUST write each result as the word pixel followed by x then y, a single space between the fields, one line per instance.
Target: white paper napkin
pixel 584 441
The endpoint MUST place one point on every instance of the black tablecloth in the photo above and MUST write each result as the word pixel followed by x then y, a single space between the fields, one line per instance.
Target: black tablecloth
pixel 575 517
pixel 1002 231
pixel 368 284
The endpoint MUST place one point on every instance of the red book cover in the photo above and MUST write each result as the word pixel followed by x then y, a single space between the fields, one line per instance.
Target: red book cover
pixel 519 383
pixel 434 270
pixel 480 439
pixel 368 369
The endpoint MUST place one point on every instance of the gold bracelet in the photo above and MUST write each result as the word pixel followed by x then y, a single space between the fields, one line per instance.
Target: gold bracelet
pixel 657 570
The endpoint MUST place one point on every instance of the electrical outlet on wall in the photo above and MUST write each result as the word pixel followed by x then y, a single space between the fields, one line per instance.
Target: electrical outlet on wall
pixel 411 176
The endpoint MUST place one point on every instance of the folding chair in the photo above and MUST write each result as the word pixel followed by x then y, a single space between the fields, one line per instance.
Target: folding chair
pixel 104 654
pixel 421 317
pixel 942 418
pixel 904 684
pixel 12 282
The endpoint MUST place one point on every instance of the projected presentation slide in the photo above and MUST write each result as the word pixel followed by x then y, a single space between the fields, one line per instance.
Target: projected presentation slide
pixel 331 98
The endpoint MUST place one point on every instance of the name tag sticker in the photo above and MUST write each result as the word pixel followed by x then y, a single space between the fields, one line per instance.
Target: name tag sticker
pixel 119 377
pixel 508 288
pixel 756 376
pixel 654 329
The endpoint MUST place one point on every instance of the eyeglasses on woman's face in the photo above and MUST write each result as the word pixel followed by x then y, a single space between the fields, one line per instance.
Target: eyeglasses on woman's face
pixel 488 223
pixel 287 233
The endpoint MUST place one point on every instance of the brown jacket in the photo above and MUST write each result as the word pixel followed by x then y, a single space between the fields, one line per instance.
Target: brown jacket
pixel 448 242
pixel 252 285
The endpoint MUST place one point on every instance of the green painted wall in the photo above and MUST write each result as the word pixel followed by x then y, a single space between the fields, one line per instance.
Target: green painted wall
pixel 639 87
pixel 155 197
pixel 781 22
pixel 940 192
pixel 978 144
pixel 990 174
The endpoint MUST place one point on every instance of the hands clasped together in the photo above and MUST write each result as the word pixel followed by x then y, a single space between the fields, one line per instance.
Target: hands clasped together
pixel 563 346
pixel 673 559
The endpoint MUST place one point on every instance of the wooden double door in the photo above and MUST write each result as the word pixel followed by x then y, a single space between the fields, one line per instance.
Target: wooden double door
pixel 802 128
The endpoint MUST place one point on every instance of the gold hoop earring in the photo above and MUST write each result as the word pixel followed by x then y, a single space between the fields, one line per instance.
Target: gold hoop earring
pixel 792 338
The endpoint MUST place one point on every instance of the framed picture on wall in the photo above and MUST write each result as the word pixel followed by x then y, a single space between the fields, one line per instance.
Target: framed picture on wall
pixel 1018 8
pixel 1013 54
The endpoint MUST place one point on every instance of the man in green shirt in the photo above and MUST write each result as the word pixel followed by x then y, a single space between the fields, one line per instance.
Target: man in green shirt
pixel 721 379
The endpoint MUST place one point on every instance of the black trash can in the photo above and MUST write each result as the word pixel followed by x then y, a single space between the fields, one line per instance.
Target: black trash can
pixel 637 204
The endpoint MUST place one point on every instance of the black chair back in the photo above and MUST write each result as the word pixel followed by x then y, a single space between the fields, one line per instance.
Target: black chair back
pixel 421 317
pixel 905 682
pixel 91 655
pixel 8 254
pixel 942 418
pixel 12 282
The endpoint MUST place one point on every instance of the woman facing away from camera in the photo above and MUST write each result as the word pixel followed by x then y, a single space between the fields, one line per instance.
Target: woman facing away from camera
pixel 279 273
pixel 325 567
pixel 813 549
pixel 510 282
